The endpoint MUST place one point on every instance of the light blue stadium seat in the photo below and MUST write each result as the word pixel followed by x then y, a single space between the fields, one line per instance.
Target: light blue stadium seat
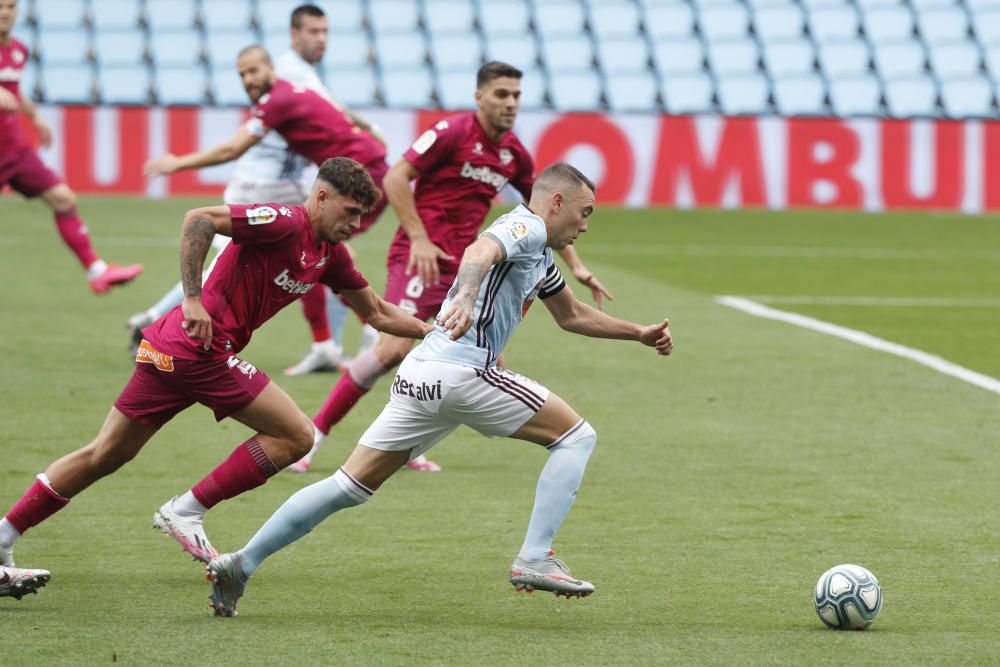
pixel 456 50
pixel 344 15
pixel 222 48
pixel 810 6
pixel 175 48
pixel 170 15
pixel 980 5
pixel 119 15
pixel 679 55
pixel 25 11
pixel 687 93
pixel 180 85
pixel 405 49
pixel 724 21
pixel 868 5
pixel 987 27
pixel 632 91
pixel 504 17
pixel 800 95
pixel 276 15
pixel 456 89
pixel 559 18
pixel 117 47
pixel 393 16
pixel 64 47
pixel 218 16
pixel 960 60
pixel 226 87
pixel 533 88
pixel 992 60
pixel 858 95
pixel 449 16
pixel 899 59
pixel 847 58
pixel 576 91
pixel 778 22
pixel 969 97
pixel 744 94
pixel 737 56
pixel 125 84
pixel 622 54
pixel 790 57
pixel 567 54
pixel 911 97
pixel 888 24
pixel 67 84
pixel 834 24
pixel 355 87
pixel 669 21
pixel 924 5
pixel 521 51
pixel 56 14
pixel 277 42
pixel 348 49
pixel 943 24
pixel 614 18
pixel 408 88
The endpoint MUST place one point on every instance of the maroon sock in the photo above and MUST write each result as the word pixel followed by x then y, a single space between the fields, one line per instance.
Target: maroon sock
pixel 340 401
pixel 37 504
pixel 314 308
pixel 74 234
pixel 246 468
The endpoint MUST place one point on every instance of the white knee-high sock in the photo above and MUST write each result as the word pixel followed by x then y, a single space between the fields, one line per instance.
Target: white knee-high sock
pixel 557 486
pixel 301 513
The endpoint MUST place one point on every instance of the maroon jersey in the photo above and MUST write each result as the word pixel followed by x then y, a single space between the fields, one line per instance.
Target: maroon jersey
pixel 13 56
pixel 461 172
pixel 312 125
pixel 272 261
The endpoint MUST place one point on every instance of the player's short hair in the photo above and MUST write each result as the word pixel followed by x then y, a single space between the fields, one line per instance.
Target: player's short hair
pixel 305 10
pixel 255 48
pixel 350 178
pixel 560 175
pixel 495 70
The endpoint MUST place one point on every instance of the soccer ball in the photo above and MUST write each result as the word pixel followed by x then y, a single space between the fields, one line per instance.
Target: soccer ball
pixel 848 597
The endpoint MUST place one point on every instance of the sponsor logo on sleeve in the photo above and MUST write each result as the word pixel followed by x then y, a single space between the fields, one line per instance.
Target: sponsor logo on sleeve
pixel 262 215
pixel 506 156
pixel 285 211
pixel 424 141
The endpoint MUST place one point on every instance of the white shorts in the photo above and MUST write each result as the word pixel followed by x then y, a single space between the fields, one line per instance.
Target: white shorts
pixel 277 192
pixel 430 399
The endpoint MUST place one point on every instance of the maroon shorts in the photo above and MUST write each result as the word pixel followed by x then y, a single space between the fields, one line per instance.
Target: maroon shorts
pixel 378 171
pixel 162 386
pixel 408 291
pixel 24 171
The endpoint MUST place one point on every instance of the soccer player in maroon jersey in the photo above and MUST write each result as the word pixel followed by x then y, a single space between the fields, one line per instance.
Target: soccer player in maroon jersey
pixel 23 170
pixel 188 356
pixel 460 165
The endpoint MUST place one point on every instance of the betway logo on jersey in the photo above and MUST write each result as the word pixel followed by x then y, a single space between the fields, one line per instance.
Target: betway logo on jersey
pixel 292 286
pixel 484 175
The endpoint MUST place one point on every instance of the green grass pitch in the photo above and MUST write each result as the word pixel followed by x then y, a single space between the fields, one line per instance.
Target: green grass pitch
pixel 727 478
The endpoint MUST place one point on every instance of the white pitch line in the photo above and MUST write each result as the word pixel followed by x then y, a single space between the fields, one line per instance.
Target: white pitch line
pixel 861 338
pixel 904 301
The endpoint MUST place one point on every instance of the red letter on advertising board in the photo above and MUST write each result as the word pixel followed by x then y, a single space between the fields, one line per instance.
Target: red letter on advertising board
pixel 738 156
pixel 991 166
pixel 133 150
pixel 585 129
pixel 806 168
pixel 183 133
pixel 948 166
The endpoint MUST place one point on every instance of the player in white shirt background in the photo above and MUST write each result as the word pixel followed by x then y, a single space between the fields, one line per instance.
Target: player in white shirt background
pixel 451 379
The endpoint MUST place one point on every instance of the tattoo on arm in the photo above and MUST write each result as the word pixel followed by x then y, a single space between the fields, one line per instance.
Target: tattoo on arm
pixel 467 282
pixel 195 242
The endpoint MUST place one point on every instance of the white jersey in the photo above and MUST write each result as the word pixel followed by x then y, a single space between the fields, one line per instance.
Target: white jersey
pixel 507 291
pixel 271 160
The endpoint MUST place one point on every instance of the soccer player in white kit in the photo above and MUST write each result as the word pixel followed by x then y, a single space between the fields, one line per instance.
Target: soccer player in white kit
pixel 270 171
pixel 451 379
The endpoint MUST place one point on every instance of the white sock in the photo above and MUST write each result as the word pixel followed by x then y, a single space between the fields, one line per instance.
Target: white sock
pixel 366 369
pixel 96 268
pixel 318 436
pixel 8 533
pixel 557 486
pixel 188 505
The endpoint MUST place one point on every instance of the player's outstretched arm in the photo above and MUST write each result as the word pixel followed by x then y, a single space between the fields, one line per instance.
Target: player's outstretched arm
pixel 31 111
pixel 476 261
pixel 424 254
pixel 8 101
pixel 585 276
pixel 386 316
pixel 573 315
pixel 227 151
pixel 200 227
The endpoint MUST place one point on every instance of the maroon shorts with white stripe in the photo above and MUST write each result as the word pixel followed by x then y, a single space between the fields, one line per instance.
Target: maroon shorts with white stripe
pixel 430 399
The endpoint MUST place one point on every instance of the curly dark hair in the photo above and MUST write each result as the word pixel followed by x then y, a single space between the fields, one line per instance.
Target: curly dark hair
pixel 352 179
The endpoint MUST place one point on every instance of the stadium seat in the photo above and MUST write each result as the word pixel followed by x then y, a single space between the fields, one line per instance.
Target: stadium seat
pixel 910 97
pixel 223 47
pixel 568 54
pixel 456 50
pixel 900 59
pixel 170 15
pixel 455 89
pixel 354 87
pixel 811 6
pixel 219 16
pixel 830 24
pixel 444 17
pixel 393 16
pixel 533 88
pixel 60 14
pixel 226 88
pixel 63 47
pixel 739 56
pixel 127 84
pixel 745 94
pixel 576 91
pixel 22 24
pixel 987 27
pixel 679 56
pixel 408 88
pixel 344 16
pixel 617 54
pixel 347 49
pixel 279 42
pixel 614 18
pixel 180 85
pixel 504 17
pixel 868 5
pixel 992 60
pixel 888 24
pixel 687 93
pixel 960 59
pixel 115 14
pixel 924 5
pixel 856 96
pixel 980 5
pixel 113 47
pixel 802 95
pixel 846 58
pixel 632 91
pixel 778 22
pixel 789 57
pixel 521 51
pixel 723 21
pixel 175 48
pixel 276 15
pixel 67 84
pixel 943 24
pixel 396 50
pixel 559 18
pixel 669 20
pixel 967 97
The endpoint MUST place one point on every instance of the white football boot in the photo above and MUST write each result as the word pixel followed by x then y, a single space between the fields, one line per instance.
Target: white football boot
pixel 547 574
pixel 186 530
pixel 16 582
pixel 229 583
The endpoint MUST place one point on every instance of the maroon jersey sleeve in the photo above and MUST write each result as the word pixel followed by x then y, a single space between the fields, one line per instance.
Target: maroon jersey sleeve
pixel 341 273
pixel 265 224
pixel 433 147
pixel 271 110
pixel 525 176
